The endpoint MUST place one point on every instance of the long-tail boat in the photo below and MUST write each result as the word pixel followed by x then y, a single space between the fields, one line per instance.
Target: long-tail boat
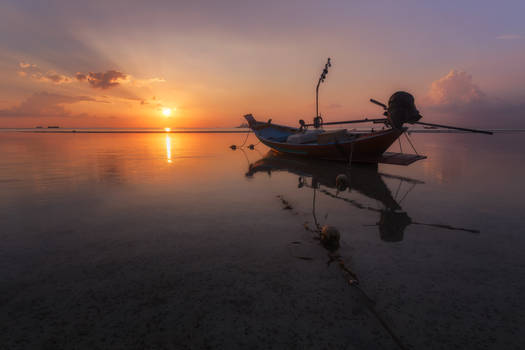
pixel 345 145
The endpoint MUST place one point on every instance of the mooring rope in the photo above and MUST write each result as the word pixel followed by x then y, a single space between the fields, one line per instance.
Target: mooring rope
pixel 246 138
pixel 317 226
pixel 251 146
pixel 410 142
pixel 353 281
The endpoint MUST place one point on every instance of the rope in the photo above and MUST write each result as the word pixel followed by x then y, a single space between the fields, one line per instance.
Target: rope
pixel 246 157
pixel 234 147
pixel 353 281
pixel 251 146
pixel 317 226
pixel 398 188
pixel 411 143
pixel 406 194
pixel 245 139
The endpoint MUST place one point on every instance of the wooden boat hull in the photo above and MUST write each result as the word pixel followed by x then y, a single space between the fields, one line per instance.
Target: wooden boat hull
pixel 366 148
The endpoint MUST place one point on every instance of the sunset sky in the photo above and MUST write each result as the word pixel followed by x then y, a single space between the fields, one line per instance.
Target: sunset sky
pixel 121 63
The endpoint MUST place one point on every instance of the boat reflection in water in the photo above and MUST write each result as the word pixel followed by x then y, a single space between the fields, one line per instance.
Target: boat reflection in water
pixel 362 178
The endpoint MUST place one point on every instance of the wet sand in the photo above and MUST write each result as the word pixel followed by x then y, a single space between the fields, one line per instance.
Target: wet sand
pixel 162 242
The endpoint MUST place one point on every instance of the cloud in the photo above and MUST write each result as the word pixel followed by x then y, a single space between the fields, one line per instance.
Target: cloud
pixel 80 76
pixel 44 104
pixel 109 79
pixel 113 78
pixel 97 80
pixel 455 89
pixel 52 77
pixel 508 37
pixel 25 65
pixel 457 99
pixel 31 70
pixel 146 82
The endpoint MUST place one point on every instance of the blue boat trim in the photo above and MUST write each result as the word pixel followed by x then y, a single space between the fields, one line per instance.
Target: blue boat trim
pixel 284 150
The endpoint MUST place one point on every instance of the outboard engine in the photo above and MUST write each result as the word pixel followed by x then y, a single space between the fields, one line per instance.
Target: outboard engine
pixel 402 109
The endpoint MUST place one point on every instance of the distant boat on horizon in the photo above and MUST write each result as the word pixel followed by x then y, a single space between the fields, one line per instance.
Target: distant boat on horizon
pixel 53 127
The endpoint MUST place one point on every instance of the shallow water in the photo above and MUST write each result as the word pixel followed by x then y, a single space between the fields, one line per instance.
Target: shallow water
pixel 175 240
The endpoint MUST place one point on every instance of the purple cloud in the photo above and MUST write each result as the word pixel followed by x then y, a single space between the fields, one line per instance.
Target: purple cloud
pixel 109 79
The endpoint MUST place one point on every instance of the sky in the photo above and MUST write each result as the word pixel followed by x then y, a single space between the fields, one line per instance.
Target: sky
pixel 207 63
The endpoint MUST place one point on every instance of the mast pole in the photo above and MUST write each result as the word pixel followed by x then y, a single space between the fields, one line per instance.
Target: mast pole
pixel 317 98
pixel 318 119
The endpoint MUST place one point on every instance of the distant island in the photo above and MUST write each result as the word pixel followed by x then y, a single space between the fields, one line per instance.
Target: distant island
pixel 243 125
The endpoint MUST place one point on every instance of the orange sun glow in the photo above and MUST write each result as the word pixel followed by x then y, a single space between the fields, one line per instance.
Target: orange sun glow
pixel 166 112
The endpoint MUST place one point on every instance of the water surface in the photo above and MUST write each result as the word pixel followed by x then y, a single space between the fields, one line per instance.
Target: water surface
pixel 122 240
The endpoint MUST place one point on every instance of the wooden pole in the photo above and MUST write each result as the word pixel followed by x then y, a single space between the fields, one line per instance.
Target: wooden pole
pixel 455 128
pixel 354 121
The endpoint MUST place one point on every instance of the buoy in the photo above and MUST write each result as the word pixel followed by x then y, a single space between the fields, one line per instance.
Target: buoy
pixel 341 182
pixel 330 237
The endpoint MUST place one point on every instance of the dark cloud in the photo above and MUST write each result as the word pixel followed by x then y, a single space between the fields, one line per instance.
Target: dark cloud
pixel 44 104
pixel 97 80
pixel 109 79
pixel 80 76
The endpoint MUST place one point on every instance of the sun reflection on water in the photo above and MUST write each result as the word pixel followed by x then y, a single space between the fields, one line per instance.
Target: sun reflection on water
pixel 168 148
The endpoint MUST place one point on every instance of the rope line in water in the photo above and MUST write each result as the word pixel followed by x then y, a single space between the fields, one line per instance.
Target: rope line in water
pixel 252 146
pixel 353 279
pixel 246 138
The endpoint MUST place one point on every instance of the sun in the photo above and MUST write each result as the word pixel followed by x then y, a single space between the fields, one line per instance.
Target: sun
pixel 166 112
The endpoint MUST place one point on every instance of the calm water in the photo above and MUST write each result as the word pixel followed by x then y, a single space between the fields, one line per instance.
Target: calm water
pixel 176 241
